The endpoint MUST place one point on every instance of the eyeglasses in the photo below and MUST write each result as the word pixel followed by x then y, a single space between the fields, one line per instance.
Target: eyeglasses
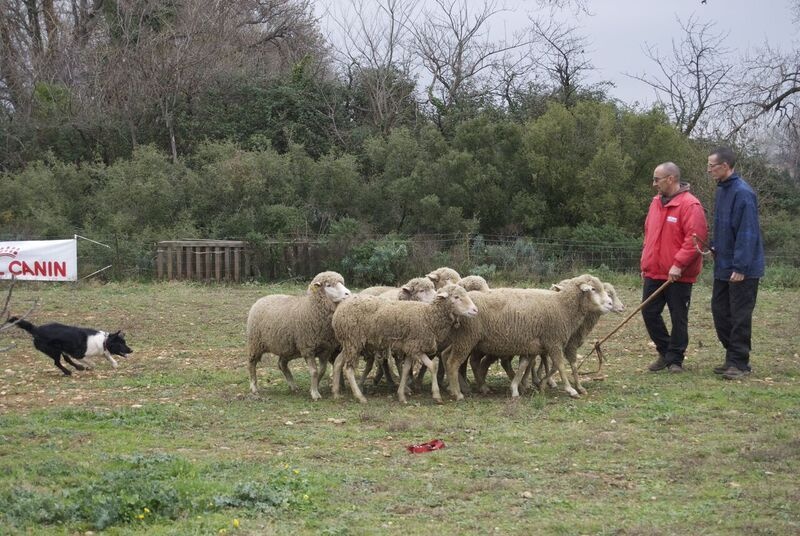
pixel 709 166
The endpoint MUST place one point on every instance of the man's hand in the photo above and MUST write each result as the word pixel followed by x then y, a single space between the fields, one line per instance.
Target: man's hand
pixel 675 273
pixel 736 277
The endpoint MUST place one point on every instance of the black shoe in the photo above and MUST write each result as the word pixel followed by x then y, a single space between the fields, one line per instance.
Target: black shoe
pixel 675 368
pixel 721 369
pixel 733 373
pixel 659 364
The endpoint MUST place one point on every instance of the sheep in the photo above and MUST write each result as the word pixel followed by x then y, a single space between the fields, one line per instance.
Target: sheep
pixel 443 276
pixel 418 289
pixel 473 282
pixel 525 324
pixel 470 282
pixel 414 329
pixel 570 351
pixel 296 326
pixel 376 291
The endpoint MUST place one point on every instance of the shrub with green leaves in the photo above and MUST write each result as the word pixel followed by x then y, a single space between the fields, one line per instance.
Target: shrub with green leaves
pixel 376 261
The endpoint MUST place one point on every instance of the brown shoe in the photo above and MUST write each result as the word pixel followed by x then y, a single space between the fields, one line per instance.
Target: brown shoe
pixel 675 368
pixel 721 369
pixel 658 364
pixel 733 373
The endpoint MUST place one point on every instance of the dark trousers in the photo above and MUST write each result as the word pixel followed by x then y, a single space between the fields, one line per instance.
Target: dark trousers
pixel 732 307
pixel 676 297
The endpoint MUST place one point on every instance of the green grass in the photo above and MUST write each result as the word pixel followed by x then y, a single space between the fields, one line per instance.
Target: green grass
pixel 175 431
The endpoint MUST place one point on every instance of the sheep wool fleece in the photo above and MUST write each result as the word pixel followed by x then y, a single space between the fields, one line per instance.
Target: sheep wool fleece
pixel 668 232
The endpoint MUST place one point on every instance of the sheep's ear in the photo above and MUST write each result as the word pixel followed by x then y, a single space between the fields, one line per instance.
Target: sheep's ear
pixel 557 287
pixel 406 290
pixel 442 294
pixel 586 287
pixel 432 276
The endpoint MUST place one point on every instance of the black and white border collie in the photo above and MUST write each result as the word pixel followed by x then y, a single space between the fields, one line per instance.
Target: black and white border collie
pixel 59 340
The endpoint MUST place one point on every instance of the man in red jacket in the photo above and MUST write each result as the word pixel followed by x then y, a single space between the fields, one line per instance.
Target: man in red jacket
pixel 669 253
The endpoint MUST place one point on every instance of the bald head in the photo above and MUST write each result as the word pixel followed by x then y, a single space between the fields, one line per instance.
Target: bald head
pixel 670 168
pixel 667 179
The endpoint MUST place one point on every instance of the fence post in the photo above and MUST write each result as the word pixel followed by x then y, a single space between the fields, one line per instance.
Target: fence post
pixel 160 263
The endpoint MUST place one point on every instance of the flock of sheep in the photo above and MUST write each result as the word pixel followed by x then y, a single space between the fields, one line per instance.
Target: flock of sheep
pixel 439 318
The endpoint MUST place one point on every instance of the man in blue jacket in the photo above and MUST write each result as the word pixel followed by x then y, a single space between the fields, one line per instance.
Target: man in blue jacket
pixel 739 262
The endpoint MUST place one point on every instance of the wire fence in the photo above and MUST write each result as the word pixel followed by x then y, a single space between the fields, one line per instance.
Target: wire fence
pixel 373 259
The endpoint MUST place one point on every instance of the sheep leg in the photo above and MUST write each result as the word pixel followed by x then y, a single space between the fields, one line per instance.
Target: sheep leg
pixel 398 361
pixel 505 362
pixel 404 373
pixel 524 361
pixel 544 374
pixel 452 360
pixel 581 389
pixel 462 378
pixel 311 361
pixel 350 373
pixel 283 364
pixel 418 379
pixel 323 366
pixel 337 374
pixel 369 361
pixel 254 359
pixel 531 376
pixel 548 368
pixel 558 360
pixel 386 366
pixel 432 366
pixel 571 354
pixel 530 371
pixel 475 361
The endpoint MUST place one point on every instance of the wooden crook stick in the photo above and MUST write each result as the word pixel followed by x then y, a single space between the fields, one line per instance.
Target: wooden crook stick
pixel 597 344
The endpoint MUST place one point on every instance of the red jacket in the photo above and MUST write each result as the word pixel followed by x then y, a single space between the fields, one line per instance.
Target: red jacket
pixel 668 241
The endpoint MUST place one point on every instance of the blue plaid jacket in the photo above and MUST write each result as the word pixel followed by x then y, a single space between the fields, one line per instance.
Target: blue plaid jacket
pixel 737 236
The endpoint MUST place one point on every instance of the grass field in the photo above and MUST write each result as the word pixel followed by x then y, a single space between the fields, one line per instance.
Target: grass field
pixel 172 442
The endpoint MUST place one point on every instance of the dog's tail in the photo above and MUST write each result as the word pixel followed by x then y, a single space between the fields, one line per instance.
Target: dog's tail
pixel 24 324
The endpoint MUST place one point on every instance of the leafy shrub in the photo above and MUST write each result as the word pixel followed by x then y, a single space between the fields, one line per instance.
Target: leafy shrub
pixel 375 261
pixel 486 271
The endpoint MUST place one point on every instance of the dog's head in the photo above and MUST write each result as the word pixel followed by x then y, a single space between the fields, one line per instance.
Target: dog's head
pixel 115 344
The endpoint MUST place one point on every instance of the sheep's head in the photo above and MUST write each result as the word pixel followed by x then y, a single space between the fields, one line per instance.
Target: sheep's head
pixel 618 306
pixel 332 284
pixel 593 288
pixel 418 289
pixel 473 282
pixel 443 276
pixel 458 299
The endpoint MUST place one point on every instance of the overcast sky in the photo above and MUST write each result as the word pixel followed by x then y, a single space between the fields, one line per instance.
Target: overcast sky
pixel 620 28
pixel 617 31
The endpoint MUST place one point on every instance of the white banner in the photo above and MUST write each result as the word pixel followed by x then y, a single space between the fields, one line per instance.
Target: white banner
pixel 39 260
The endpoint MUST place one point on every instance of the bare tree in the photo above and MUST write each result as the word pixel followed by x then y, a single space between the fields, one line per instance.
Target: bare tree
pixel 141 59
pixel 564 58
pixel 375 58
pixel 787 140
pixel 768 91
pixel 517 78
pixel 694 80
pixel 453 45
pixel 577 6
